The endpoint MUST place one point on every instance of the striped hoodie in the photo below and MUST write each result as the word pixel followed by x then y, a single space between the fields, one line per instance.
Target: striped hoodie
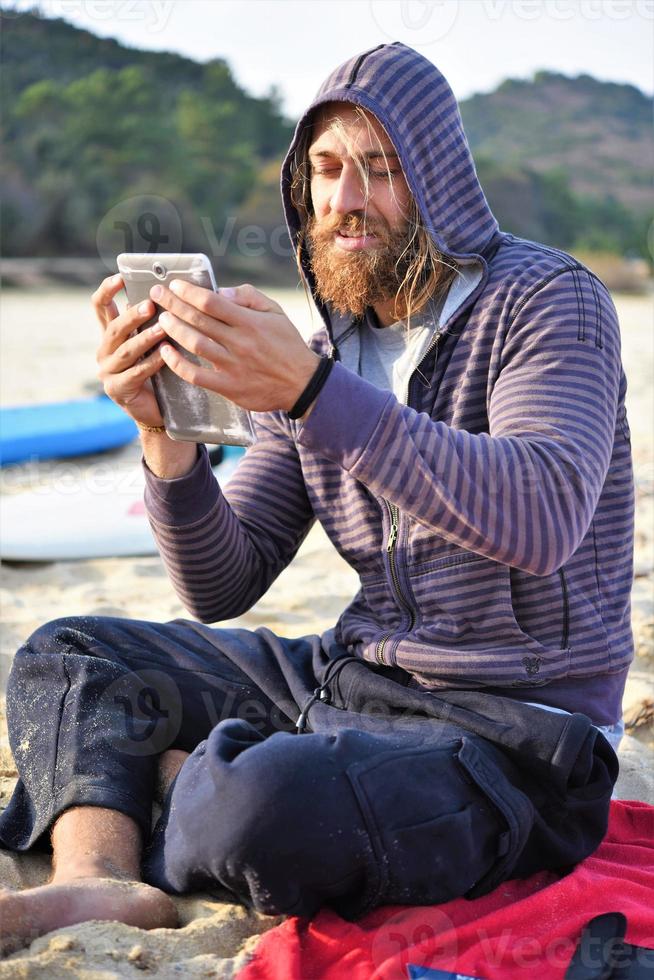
pixel 490 519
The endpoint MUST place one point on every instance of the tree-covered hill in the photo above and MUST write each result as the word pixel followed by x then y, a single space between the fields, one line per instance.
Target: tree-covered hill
pixel 98 135
pixel 96 132
pixel 35 48
pixel 598 134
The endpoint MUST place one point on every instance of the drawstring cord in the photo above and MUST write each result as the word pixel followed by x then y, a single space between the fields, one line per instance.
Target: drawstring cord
pixel 321 693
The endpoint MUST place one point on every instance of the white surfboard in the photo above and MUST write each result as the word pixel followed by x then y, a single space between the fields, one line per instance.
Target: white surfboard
pixel 101 517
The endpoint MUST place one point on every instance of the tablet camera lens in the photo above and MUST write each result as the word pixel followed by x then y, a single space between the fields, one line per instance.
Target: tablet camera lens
pixel 159 270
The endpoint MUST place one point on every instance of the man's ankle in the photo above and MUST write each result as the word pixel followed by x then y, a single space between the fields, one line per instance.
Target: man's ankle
pixel 91 867
pixel 94 842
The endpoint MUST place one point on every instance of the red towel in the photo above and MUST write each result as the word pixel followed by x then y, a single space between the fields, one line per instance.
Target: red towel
pixel 523 929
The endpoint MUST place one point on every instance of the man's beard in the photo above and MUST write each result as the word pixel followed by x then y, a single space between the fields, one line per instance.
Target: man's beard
pixel 352 281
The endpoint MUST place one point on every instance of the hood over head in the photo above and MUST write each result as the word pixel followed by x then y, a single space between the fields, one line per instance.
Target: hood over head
pixel 416 106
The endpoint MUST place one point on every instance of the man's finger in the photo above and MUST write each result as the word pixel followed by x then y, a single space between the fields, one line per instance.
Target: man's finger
pixel 231 304
pixel 122 387
pixel 253 299
pixel 103 298
pixel 203 309
pixel 201 314
pixel 118 360
pixel 195 374
pixel 193 340
pixel 107 290
pixel 121 327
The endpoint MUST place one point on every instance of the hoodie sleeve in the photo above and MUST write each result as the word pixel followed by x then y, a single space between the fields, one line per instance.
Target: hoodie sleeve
pixel 223 549
pixel 525 492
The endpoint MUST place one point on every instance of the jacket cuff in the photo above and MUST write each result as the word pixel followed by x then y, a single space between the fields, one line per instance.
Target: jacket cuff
pixel 344 417
pixel 184 499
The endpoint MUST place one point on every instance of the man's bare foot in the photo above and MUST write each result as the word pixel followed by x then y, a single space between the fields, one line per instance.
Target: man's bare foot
pixel 169 764
pixel 28 914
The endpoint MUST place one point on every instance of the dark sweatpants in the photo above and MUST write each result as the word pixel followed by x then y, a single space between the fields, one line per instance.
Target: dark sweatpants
pixel 383 795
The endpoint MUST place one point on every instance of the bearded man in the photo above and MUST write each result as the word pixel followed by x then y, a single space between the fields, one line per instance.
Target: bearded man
pixel 458 428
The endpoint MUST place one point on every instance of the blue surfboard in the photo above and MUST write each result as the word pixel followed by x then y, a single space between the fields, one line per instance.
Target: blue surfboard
pixel 58 429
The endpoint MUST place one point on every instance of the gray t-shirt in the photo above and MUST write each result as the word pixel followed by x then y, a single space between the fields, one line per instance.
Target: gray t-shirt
pixel 387 356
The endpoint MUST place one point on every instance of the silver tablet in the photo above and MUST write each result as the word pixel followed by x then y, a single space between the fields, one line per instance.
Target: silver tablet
pixel 190 413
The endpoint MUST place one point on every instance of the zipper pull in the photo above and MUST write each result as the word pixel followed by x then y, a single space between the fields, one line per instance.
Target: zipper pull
pixel 392 537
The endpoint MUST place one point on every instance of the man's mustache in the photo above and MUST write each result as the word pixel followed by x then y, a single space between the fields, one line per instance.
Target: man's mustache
pixel 351 223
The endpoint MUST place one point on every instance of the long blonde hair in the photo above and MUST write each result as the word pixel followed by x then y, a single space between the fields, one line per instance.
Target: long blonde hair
pixel 428 270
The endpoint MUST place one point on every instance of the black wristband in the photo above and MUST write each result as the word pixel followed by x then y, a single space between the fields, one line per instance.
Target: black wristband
pixel 311 391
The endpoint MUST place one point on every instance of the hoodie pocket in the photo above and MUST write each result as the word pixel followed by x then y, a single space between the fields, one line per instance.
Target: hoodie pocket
pixel 541 606
pixel 465 606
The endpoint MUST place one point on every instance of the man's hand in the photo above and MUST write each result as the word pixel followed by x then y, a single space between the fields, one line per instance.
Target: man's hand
pixel 126 362
pixel 258 359
pixel 127 359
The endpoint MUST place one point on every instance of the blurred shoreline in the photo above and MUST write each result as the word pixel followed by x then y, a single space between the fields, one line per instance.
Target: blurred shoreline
pixel 62 272
pixel 625 275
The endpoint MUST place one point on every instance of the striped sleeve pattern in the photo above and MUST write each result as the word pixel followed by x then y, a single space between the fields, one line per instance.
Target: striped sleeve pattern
pixel 223 548
pixel 525 492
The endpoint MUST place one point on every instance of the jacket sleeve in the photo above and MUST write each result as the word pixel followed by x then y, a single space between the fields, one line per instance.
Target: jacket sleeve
pixel 524 493
pixel 223 549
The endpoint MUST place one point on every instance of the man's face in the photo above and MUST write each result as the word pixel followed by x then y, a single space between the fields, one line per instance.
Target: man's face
pixel 357 234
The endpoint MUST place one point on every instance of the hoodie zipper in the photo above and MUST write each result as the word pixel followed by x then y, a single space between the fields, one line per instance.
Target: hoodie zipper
pixel 394 517
pixel 400 597
pixel 566 611
pixel 433 345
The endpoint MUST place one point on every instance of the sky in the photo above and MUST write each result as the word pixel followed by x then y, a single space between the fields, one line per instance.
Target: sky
pixel 294 44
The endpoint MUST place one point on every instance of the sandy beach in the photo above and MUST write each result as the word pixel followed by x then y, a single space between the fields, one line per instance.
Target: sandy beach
pixel 49 339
